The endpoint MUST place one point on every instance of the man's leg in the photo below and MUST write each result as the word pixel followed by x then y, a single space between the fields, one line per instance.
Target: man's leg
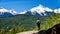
pixel 38 27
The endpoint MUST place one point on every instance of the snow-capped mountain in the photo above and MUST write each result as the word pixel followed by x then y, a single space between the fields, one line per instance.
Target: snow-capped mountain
pixel 38 11
pixel 57 10
pixel 6 12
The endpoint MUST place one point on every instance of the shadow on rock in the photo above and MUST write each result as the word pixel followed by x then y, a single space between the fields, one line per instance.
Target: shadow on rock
pixel 54 30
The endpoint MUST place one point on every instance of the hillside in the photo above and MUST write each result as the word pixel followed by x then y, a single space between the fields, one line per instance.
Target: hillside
pixel 20 23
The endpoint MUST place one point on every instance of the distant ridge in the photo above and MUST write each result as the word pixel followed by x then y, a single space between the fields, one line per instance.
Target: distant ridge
pixel 40 10
pixel 6 12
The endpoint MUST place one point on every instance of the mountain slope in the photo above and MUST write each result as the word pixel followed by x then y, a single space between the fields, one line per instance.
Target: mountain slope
pixel 20 23
pixel 57 10
pixel 38 11
pixel 6 12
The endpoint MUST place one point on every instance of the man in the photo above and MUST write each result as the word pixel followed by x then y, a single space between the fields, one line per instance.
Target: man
pixel 38 24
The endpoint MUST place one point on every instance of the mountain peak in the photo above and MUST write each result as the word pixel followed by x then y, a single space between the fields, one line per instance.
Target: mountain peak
pixel 41 8
pixel 57 10
pixel 12 11
pixel 3 10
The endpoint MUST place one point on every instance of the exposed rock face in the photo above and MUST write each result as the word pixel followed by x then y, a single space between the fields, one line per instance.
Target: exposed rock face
pixel 54 30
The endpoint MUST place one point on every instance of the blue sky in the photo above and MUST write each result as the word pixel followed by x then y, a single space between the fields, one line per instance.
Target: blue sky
pixel 20 5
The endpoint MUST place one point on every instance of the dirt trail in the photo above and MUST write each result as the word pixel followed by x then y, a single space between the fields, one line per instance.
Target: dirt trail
pixel 28 32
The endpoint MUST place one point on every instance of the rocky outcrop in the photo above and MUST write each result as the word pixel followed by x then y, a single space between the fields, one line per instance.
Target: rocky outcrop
pixel 54 30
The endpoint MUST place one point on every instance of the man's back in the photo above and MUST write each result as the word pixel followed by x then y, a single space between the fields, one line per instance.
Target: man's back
pixel 38 24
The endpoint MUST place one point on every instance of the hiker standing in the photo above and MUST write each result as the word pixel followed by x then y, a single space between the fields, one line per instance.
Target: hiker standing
pixel 38 24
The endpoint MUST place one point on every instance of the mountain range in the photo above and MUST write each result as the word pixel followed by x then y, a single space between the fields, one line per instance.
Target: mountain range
pixel 6 12
pixel 39 10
